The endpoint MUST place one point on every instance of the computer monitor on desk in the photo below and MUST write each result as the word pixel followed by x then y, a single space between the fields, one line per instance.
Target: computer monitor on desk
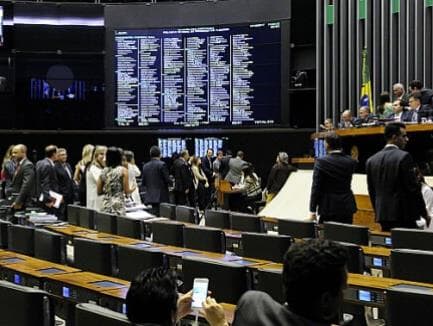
pixel 409 305
pixel 24 306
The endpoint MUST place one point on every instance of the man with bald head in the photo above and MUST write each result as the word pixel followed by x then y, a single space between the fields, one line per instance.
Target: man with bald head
pixel 23 180
pixel 346 120
pixel 400 94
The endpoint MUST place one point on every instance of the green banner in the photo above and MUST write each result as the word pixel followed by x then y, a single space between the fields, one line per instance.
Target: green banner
pixel 330 14
pixel 395 6
pixel 362 9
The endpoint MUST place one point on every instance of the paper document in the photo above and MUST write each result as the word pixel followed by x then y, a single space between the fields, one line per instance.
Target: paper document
pixel 57 198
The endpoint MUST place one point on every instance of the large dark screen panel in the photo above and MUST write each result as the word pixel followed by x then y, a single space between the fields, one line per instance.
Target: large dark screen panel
pixel 201 64
pixel 225 75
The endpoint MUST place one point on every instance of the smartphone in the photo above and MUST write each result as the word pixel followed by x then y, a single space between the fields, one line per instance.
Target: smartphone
pixel 199 292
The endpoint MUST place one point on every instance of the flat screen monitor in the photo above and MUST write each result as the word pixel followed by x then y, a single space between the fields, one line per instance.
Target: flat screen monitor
pixel 201 145
pixel 170 146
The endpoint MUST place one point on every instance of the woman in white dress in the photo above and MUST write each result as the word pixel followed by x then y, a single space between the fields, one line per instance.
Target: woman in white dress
pixel 93 200
pixel 133 174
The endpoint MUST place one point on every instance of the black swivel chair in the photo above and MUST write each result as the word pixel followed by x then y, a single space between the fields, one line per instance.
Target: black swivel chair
pixel 297 229
pixel 185 214
pixel 206 239
pixel 128 227
pixel 227 281
pixel 412 265
pixel 217 218
pixel 412 239
pixel 87 218
pixel 131 261
pixel 21 239
pixel 245 222
pixel 24 306
pixel 4 230
pixel 73 214
pixel 409 305
pixel 50 246
pixel 271 282
pixel 106 222
pixel 167 210
pixel 265 246
pixel 355 234
pixel 168 232
pixel 90 314
pixel 93 256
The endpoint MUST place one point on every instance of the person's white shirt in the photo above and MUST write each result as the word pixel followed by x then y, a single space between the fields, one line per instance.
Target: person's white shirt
pixel 133 174
pixel 93 201
pixel 427 194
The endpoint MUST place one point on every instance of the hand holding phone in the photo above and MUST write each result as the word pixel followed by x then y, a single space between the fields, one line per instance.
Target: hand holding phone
pixel 199 292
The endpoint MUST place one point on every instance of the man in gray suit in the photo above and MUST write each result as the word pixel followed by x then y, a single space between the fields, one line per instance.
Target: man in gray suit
pixel 155 180
pixel 23 180
pixel 236 165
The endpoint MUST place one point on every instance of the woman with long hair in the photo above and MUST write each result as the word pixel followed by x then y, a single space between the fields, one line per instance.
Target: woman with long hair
pixel 200 182
pixel 93 201
pixel 7 171
pixel 80 172
pixel 113 183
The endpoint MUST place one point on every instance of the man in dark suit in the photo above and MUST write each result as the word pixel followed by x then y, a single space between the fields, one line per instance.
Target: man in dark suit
pixel 417 111
pixel 331 194
pixel 46 179
pixel 155 180
pixel 224 164
pixel 236 166
pixel 364 116
pixel 207 166
pixel 64 175
pixel 416 86
pixel 23 181
pixel 399 114
pixel 392 184
pixel 314 277
pixel 183 180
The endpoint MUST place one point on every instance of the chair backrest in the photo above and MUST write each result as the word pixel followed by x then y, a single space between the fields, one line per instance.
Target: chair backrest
pixel 346 233
pixel 132 260
pixel 271 282
pixel 21 239
pixel 185 214
pixel 409 305
pixel 167 210
pixel 227 281
pixel 355 262
pixel 87 217
pixel 217 218
pixel 128 227
pixel 412 265
pixel 297 229
pixel 4 231
pixel 73 214
pixel 412 239
pixel 207 239
pixel 168 232
pixel 106 222
pixel 94 256
pixel 24 306
pixel 90 314
pixel 50 246
pixel 245 222
pixel 265 246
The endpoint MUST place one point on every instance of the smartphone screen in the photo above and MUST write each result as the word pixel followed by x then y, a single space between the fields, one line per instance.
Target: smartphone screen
pixel 199 292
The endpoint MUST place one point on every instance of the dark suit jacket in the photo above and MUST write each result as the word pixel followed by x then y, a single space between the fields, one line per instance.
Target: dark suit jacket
pixel 46 179
pixel 278 177
pixel 224 166
pixel 424 111
pixel 23 182
pixel 257 308
pixel 182 176
pixel 155 180
pixel 426 95
pixel 207 166
pixel 394 190
pixel 405 116
pixel 369 119
pixel 331 191
pixel 66 183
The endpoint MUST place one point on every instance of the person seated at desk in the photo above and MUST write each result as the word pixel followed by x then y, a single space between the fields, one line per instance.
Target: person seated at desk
pixel 152 299
pixel 384 109
pixel 327 125
pixel 314 277
pixel 364 116
pixel 251 189
pixel 400 114
pixel 418 112
pixel 346 120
